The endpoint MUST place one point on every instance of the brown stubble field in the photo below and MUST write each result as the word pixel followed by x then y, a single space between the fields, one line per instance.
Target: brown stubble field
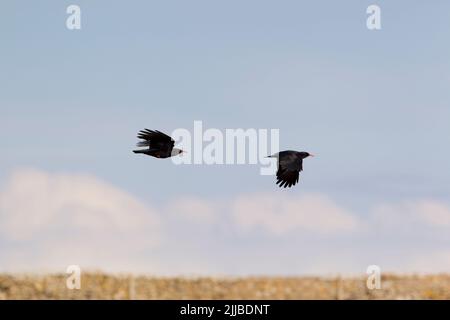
pixel 106 286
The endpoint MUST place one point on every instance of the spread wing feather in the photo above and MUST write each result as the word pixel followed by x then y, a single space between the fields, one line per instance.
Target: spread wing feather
pixel 289 167
pixel 155 139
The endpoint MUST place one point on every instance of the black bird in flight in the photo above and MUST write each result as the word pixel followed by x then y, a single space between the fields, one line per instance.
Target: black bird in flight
pixel 290 163
pixel 159 144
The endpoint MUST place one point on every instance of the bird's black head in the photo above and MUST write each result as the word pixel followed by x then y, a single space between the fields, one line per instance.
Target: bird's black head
pixel 304 155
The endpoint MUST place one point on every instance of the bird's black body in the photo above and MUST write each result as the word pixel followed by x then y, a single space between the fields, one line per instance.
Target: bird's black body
pixel 159 144
pixel 290 163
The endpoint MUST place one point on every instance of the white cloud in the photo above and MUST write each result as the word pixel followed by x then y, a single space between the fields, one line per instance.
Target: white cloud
pixel 194 210
pixel 431 212
pixel 282 214
pixel 425 212
pixel 51 220
pixel 435 261
pixel 74 218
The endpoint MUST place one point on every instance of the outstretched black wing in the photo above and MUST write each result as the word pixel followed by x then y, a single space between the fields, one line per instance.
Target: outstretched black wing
pixel 289 167
pixel 155 139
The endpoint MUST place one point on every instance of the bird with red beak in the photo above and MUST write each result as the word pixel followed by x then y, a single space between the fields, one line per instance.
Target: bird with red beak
pixel 290 163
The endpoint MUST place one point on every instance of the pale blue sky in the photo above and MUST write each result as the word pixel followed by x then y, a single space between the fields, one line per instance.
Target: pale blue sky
pixel 374 105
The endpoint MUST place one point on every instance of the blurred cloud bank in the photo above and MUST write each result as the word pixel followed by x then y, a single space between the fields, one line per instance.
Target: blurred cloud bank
pixel 50 220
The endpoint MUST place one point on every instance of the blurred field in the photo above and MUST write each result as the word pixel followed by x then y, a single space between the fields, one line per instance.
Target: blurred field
pixel 103 286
